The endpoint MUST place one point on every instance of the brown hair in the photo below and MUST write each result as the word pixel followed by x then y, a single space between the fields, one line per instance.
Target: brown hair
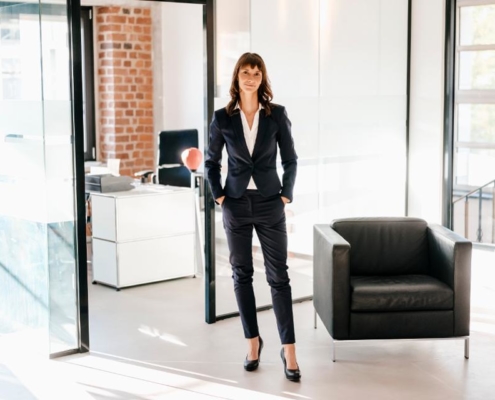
pixel 265 94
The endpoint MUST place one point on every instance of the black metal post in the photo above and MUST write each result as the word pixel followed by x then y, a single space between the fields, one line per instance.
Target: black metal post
pixel 210 270
pixel 448 131
pixel 74 20
pixel 466 218
pixel 408 101
pixel 480 208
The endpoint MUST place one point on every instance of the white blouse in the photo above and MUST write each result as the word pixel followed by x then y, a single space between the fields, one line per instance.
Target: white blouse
pixel 250 135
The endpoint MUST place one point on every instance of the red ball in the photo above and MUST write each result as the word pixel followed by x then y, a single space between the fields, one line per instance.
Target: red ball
pixel 192 158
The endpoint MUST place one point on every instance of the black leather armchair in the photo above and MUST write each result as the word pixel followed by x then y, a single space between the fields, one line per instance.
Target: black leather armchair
pixel 391 278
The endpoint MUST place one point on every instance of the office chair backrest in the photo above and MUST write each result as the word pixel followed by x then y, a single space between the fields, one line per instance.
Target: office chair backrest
pixel 385 246
pixel 171 145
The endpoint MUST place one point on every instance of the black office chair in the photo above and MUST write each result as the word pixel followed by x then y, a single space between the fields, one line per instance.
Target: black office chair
pixel 171 170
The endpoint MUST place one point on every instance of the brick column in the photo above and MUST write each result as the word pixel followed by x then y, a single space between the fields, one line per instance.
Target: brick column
pixel 125 86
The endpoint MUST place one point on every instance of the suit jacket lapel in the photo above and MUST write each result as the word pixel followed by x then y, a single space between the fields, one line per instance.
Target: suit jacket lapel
pixel 239 132
pixel 263 124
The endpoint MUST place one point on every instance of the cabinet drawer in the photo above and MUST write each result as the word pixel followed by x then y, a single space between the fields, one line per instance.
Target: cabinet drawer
pixel 129 218
pixel 143 261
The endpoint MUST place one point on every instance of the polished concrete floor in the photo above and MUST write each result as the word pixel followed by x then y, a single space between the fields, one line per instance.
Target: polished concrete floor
pixel 150 342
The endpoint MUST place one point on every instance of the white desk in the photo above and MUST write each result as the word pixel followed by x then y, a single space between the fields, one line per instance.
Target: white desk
pixel 143 235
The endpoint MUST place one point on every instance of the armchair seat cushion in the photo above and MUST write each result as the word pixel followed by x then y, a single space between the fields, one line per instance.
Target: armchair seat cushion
pixel 400 293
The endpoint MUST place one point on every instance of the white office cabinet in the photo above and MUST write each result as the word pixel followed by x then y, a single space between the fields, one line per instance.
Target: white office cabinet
pixel 143 235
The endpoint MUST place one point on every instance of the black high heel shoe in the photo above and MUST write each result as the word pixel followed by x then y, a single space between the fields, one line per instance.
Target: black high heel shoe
pixel 291 374
pixel 251 365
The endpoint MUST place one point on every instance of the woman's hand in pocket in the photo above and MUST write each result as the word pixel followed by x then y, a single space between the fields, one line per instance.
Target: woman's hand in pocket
pixel 220 200
pixel 285 200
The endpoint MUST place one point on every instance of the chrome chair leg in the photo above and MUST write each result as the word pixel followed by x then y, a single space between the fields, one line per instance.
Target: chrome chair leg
pixel 333 350
pixel 316 318
pixel 466 348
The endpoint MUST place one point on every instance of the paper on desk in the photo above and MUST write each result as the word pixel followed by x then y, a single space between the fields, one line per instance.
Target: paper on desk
pixel 103 171
pixel 99 170
pixel 113 165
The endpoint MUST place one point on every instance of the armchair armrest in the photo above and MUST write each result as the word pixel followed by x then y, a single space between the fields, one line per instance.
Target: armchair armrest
pixel 153 173
pixel 143 175
pixel 331 280
pixel 450 262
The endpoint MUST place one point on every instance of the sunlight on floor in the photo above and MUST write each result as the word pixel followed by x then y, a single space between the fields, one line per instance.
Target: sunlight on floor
pixel 158 366
pixel 299 396
pixel 117 377
pixel 154 332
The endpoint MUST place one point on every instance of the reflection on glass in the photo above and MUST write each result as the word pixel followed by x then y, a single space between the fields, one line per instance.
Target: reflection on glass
pixel 477 70
pixel 23 240
pixel 477 25
pixel 37 250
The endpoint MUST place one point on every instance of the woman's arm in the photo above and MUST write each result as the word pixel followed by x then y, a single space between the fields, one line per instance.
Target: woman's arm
pixel 214 158
pixel 288 155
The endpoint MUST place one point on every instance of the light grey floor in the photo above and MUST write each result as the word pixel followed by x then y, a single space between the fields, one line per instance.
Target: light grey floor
pixel 150 342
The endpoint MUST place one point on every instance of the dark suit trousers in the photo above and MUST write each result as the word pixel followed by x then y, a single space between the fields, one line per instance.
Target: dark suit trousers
pixel 267 216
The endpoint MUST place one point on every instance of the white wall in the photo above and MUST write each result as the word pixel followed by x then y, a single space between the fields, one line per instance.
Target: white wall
pixel 426 110
pixel 363 103
pixel 178 68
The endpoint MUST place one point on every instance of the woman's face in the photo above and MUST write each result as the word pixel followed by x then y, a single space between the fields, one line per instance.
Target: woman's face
pixel 249 79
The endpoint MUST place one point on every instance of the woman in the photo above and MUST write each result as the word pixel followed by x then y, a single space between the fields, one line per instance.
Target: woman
pixel 250 128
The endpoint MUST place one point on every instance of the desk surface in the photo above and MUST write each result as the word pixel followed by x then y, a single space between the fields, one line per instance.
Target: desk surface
pixel 144 190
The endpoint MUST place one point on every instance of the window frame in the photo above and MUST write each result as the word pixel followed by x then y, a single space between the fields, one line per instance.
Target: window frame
pixel 466 96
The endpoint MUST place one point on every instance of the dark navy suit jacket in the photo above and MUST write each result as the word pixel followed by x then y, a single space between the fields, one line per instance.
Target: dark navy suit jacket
pixel 273 130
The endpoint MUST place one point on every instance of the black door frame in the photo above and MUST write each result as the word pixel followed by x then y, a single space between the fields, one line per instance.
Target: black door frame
pixel 88 81
pixel 75 62
pixel 76 86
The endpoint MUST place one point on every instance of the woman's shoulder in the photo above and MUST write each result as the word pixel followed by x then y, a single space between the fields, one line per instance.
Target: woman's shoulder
pixel 277 109
pixel 221 113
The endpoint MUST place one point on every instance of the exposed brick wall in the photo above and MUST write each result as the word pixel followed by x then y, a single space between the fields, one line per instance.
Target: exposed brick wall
pixel 125 86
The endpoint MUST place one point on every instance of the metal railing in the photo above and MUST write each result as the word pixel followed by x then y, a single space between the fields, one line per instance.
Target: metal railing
pixel 478 193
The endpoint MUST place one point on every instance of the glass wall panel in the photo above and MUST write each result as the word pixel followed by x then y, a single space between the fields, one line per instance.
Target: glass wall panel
pixel 340 69
pixel 59 174
pixel 37 249
pixel 363 81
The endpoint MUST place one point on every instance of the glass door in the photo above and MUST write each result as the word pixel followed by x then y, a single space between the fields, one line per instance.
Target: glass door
pixel 38 255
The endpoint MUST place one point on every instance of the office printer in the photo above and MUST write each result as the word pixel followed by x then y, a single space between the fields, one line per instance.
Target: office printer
pixel 106 183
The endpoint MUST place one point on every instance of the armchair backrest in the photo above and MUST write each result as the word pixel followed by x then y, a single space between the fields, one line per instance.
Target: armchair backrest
pixel 385 246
